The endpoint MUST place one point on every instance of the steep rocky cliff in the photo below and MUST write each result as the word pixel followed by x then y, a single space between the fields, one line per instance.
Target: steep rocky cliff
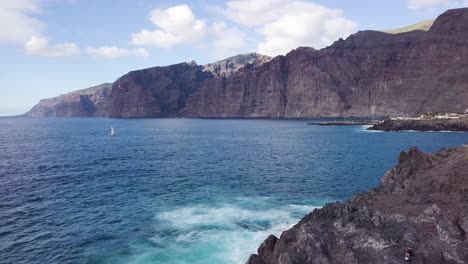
pixel 86 103
pixel 370 73
pixel 422 203
pixel 152 92
pixel 155 92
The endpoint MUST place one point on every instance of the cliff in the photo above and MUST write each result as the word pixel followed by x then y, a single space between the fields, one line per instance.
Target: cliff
pixel 422 203
pixel 155 92
pixel 84 103
pixel 370 73
pixel 423 125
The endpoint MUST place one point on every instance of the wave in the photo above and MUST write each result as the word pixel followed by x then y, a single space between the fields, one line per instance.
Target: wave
pixel 363 129
pixel 223 233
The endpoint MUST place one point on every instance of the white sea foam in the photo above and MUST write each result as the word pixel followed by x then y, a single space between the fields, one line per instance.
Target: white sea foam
pixel 227 216
pixel 223 233
pixel 363 129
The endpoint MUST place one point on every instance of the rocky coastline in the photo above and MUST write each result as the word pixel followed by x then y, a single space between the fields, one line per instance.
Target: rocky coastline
pixel 422 204
pixel 350 123
pixel 460 124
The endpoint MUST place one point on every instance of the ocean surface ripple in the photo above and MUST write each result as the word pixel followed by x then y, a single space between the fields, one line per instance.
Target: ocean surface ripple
pixel 176 190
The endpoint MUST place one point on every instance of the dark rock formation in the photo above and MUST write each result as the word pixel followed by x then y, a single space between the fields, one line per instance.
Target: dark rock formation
pixel 155 92
pixel 152 92
pixel 423 125
pixel 370 73
pixel 422 203
pixel 84 103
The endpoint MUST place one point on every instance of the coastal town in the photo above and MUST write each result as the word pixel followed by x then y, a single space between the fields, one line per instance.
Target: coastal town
pixel 432 116
pixel 426 122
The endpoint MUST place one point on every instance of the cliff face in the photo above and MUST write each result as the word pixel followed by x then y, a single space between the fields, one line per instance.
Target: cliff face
pixel 152 92
pixel 422 203
pixel 290 86
pixel 155 92
pixel 84 103
pixel 369 74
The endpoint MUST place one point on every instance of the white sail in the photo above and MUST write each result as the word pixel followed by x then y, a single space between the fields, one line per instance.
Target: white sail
pixel 112 132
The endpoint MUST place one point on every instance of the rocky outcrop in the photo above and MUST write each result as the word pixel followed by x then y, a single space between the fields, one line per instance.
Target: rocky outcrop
pixel 83 103
pixel 422 203
pixel 155 92
pixel 231 65
pixel 460 124
pixel 370 73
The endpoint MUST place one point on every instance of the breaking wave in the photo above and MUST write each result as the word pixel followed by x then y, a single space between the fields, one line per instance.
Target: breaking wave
pixel 222 233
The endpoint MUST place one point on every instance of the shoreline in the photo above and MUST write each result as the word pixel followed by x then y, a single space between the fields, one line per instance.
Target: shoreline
pixel 435 125
pixel 345 123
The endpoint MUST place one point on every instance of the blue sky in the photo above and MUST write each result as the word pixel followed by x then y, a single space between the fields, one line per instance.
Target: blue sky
pixel 50 47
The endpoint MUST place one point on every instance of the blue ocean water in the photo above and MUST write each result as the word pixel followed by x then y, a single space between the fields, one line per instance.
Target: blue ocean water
pixel 177 190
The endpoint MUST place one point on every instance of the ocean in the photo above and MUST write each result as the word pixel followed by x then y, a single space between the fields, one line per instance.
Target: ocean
pixel 177 190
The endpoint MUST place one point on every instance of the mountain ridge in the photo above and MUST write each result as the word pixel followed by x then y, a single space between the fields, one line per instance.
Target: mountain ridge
pixel 423 25
pixel 370 73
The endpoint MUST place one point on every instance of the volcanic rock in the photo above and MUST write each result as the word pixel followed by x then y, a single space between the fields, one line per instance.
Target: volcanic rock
pixel 422 203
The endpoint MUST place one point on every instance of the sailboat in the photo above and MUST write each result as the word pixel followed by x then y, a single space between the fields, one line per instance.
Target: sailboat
pixel 112 132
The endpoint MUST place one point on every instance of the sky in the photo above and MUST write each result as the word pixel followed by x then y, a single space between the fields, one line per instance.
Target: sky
pixel 51 47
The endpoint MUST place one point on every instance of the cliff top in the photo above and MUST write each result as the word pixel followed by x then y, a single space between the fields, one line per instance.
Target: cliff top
pixel 233 64
pixel 86 91
pixel 451 21
pixel 91 90
pixel 424 26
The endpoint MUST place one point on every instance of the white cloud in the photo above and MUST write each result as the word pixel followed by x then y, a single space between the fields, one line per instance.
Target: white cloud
pixel 18 23
pixel 420 4
pixel 227 40
pixel 175 25
pixel 430 4
pixel 20 27
pixel 116 52
pixel 255 12
pixel 40 46
pixel 286 25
